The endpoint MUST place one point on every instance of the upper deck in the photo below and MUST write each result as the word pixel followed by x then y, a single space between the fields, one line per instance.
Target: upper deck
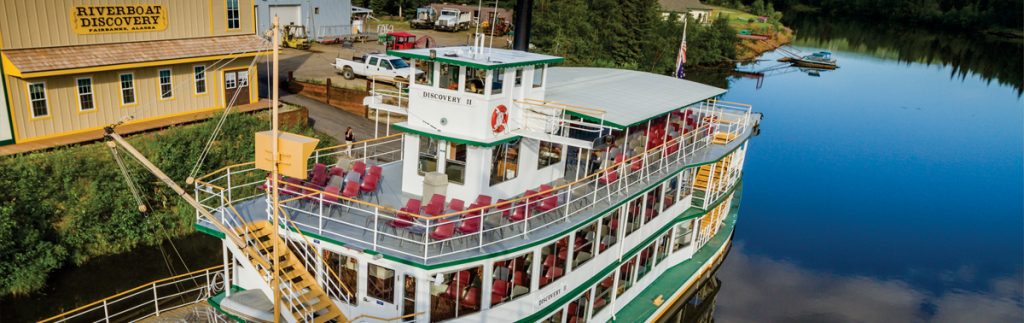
pixel 381 220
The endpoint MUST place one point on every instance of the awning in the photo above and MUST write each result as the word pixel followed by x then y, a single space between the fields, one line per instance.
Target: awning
pixel 41 62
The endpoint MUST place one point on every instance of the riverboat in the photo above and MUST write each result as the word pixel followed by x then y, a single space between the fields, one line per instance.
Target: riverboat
pixel 513 191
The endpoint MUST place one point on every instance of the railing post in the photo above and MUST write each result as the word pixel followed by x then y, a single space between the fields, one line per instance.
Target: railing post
pixel 106 314
pixel 320 216
pixel 376 217
pixel 156 300
pixel 229 184
pixel 426 240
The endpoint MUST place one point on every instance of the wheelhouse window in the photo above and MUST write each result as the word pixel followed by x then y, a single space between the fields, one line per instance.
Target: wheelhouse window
pixel 449 77
pixel 233 20
pixel 456 294
pixel 498 81
pixel 511 278
pixel 428 155
pixel 549 154
pixel 609 230
pixel 584 245
pixel 538 76
pixel 380 283
pixel 519 77
pixel 200 78
pixel 85 97
pixel 455 164
pixel 166 89
pixel 427 75
pixel 343 271
pixel 127 89
pixel 475 80
pixel 37 99
pixel 505 161
pixel 554 256
pixel 683 232
pixel 603 293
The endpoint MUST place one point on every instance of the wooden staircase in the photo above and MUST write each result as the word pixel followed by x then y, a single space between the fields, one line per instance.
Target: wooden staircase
pixel 704 178
pixel 304 298
pixel 722 138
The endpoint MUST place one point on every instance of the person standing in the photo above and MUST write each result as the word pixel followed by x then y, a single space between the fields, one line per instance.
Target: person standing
pixel 350 138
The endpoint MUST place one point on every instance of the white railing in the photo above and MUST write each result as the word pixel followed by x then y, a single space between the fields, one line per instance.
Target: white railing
pixel 556 118
pixel 150 299
pixel 393 97
pixel 362 224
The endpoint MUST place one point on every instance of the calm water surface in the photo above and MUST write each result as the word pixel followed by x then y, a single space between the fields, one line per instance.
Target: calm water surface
pixel 887 190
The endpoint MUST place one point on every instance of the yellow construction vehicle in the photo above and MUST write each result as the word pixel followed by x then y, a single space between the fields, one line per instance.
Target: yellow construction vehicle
pixel 295 36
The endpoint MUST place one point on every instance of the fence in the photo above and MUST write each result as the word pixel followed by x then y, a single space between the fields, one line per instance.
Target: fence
pixel 348 100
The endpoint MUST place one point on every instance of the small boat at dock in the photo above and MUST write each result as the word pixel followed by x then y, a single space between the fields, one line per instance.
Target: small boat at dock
pixel 822 59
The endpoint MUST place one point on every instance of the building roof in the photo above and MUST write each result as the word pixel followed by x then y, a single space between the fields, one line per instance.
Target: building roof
pixel 37 60
pixel 627 97
pixel 492 58
pixel 682 5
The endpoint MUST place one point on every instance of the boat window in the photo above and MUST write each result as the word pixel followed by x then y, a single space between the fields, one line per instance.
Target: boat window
pixel 538 76
pixel 511 278
pixel 455 294
pixel 550 153
pixel 646 263
pixel 519 77
pixel 610 229
pixel 554 256
pixel 505 161
pixel 633 211
pixel 455 164
pixel 626 276
pixel 554 318
pixel 671 192
pixel 475 80
pixel 344 271
pixel 426 72
pixel 449 77
pixel 683 232
pixel 380 283
pixel 584 244
pixel 603 293
pixel 685 187
pixel 653 206
pixel 428 155
pixel 409 298
pixel 498 81
pixel 578 309
pixel 663 247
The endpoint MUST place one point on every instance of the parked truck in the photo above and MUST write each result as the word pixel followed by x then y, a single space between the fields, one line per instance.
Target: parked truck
pixel 374 66
pixel 424 19
pixel 453 20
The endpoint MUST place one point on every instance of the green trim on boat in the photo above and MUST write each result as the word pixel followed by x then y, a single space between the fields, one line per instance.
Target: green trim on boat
pixel 453 139
pixel 210 231
pixel 216 299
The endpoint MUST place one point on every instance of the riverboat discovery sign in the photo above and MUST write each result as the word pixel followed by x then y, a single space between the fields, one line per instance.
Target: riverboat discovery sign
pixel 88 20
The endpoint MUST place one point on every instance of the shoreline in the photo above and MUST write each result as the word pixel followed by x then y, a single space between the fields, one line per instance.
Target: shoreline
pixel 750 49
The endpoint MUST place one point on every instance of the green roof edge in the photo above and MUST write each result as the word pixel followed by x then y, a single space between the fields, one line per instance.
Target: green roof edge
pixel 443 59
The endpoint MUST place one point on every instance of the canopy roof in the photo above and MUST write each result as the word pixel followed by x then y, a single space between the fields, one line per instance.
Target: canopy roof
pixel 627 97
pixel 400 34
pixel 491 58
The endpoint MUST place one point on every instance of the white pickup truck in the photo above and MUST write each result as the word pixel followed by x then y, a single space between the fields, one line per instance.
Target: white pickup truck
pixel 374 66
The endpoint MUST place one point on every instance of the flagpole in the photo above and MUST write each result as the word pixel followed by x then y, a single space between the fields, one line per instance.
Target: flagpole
pixel 681 57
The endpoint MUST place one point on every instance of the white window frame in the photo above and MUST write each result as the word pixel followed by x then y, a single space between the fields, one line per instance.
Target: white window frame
pixel 240 77
pixel 196 79
pixel 31 106
pixel 91 94
pixel 232 78
pixel 120 83
pixel 160 83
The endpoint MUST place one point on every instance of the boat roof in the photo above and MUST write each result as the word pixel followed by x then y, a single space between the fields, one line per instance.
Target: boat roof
pixel 400 34
pixel 492 58
pixel 627 97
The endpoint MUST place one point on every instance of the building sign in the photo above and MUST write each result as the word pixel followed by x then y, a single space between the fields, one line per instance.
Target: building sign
pixel 88 20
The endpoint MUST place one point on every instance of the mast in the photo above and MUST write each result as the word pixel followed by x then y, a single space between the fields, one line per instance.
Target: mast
pixel 275 283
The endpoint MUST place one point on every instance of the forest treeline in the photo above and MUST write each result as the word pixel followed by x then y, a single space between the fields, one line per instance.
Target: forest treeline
pixel 975 15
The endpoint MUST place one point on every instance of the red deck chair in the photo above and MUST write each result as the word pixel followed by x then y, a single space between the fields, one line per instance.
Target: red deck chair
pixel 499 290
pixel 472 298
pixel 370 183
pixel 443 231
pixel 436 205
pixel 360 167
pixel 609 177
pixel 470 221
pixel 320 175
pixel 456 205
pixel 336 171
pixel 376 170
pixel 351 189
pixel 483 200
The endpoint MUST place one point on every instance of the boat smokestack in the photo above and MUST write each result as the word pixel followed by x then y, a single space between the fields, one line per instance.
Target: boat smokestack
pixel 524 16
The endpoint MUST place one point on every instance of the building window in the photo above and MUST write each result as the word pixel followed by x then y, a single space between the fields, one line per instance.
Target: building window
pixel 449 77
pixel 498 81
pixel 229 81
pixel 243 79
pixel 519 77
pixel 232 14
pixel 550 154
pixel 200 77
pixel 127 89
pixel 380 283
pixel 85 99
pixel 37 98
pixel 538 76
pixel 166 90
pixel 475 80
pixel 505 162
pixel 428 155
pixel 455 164
pixel 427 77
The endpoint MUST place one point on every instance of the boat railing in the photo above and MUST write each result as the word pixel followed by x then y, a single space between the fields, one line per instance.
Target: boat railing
pixel 725 117
pixel 557 118
pixel 393 97
pixel 150 299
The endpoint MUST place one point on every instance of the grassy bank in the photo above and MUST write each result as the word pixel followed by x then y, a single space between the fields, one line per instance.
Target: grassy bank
pixel 68 205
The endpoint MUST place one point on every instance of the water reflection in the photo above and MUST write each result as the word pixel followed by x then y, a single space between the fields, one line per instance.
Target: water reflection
pixel 761 289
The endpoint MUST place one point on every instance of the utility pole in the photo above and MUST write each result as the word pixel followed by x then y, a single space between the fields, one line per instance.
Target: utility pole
pixel 275 279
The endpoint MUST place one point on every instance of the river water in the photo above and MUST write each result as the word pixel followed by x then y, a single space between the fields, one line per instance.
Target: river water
pixel 889 190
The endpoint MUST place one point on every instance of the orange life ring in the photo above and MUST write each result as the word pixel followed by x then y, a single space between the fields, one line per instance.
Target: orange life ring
pixel 499 118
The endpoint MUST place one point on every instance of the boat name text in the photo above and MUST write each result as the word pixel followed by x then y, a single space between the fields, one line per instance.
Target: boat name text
pixel 447 98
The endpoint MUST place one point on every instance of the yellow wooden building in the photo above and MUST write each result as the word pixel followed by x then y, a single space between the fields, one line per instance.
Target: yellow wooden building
pixel 74 66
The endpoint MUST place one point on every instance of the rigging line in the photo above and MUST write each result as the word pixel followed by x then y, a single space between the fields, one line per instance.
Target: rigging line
pixel 128 180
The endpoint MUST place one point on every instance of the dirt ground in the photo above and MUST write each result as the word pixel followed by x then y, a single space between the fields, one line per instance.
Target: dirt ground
pixel 315 63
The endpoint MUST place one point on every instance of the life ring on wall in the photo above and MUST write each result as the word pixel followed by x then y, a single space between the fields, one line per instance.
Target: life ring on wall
pixel 499 118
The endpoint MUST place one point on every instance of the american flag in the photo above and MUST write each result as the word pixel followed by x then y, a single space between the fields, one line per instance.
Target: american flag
pixel 681 59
